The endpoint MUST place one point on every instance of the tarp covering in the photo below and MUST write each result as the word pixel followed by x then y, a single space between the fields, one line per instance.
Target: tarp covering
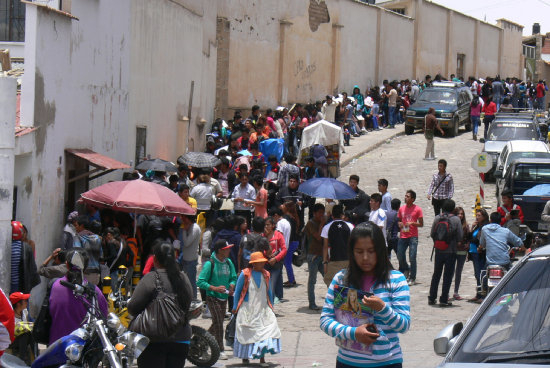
pixel 322 132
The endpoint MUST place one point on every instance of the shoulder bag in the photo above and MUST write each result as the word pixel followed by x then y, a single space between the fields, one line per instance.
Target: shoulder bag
pixel 162 317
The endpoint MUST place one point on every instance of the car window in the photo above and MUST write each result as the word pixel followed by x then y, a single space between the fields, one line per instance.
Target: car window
pixel 503 155
pixel 516 320
pixel 527 176
pixel 512 131
pixel 519 155
pixel 444 97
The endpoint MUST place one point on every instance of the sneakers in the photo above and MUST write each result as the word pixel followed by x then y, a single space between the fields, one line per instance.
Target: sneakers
pixel 246 361
pixel 206 313
pixel 457 297
pixel 314 308
pixel 223 356
pixel 431 302
pixel 445 305
pixel 289 284
pixel 276 300
pixel 411 282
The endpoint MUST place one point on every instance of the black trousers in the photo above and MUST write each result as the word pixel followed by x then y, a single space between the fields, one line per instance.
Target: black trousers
pixel 444 263
pixel 165 354
pixel 437 203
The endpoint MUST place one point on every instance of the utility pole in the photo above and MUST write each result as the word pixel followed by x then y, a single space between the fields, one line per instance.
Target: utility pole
pixel 8 101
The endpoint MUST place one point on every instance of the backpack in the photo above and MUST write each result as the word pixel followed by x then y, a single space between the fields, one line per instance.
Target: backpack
pixel 442 233
pixel 338 236
pixel 43 323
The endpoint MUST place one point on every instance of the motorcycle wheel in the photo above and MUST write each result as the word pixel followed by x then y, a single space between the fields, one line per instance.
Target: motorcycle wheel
pixel 204 350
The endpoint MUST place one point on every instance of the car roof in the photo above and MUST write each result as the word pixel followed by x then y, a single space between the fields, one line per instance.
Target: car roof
pixel 527 146
pixel 531 161
pixel 541 252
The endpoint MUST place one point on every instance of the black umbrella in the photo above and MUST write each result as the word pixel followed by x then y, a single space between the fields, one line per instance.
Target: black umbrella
pixel 157 165
pixel 199 159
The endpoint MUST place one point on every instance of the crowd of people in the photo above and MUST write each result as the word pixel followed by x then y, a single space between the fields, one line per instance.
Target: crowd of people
pixel 234 257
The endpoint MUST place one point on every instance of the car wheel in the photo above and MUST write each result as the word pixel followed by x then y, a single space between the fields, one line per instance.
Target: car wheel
pixel 453 132
pixel 409 130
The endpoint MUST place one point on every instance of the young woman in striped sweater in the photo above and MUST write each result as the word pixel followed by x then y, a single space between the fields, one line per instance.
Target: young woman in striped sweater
pixel 368 336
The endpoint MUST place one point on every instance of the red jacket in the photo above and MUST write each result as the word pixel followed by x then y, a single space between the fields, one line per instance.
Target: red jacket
pixel 503 213
pixel 490 108
pixel 540 90
pixel 7 317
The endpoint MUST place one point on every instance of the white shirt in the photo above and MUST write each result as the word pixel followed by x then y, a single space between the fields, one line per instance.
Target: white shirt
pixel 247 192
pixel 284 227
pixel 379 218
pixel 324 232
pixel 329 111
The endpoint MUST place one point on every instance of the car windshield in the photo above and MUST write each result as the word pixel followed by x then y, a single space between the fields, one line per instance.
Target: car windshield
pixel 512 131
pixel 528 176
pixel 519 155
pixel 439 97
pixel 517 319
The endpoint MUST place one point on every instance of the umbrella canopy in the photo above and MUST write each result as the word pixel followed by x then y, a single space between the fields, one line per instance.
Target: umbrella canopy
pixel 157 165
pixel 245 153
pixel 138 196
pixel 199 159
pixel 327 188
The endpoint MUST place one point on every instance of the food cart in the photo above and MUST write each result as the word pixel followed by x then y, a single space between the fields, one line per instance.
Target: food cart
pixel 328 135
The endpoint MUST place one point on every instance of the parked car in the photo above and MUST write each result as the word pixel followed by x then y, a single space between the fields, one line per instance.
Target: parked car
pixel 520 149
pixel 529 180
pixel 451 101
pixel 511 327
pixel 502 131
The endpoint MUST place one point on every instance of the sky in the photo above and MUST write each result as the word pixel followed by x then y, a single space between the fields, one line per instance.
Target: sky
pixel 524 12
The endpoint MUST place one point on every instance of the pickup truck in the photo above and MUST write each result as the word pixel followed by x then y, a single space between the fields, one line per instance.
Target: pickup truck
pixel 529 180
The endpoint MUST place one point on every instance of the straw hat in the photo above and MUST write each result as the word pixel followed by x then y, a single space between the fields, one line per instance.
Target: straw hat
pixel 257 257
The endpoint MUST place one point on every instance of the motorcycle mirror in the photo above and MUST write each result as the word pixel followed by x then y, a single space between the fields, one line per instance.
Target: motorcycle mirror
pixel 77 260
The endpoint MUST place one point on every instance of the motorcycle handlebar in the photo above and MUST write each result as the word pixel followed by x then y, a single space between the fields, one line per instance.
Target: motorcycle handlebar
pixel 79 289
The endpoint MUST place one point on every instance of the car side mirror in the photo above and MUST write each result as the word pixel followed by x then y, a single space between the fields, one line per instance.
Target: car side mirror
pixel 498 174
pixel 445 340
pixel 481 140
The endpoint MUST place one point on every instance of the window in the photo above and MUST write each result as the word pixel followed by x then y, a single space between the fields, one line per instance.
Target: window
pixel 12 21
pixel 460 58
pixel 529 51
pixel 141 144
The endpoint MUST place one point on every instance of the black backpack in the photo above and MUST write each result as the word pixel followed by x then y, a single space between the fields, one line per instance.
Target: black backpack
pixel 442 233
pixel 338 236
pixel 43 323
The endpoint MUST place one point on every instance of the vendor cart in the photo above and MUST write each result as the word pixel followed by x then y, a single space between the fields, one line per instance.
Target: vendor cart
pixel 331 137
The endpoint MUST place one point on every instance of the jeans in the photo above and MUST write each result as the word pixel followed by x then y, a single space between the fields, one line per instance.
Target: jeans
pixel 540 103
pixel 460 260
pixel 402 245
pixel 447 261
pixel 314 265
pixel 475 123
pixel 351 125
pixel 190 269
pixel 497 99
pixel 479 264
pixel 288 261
pixel 275 276
pixel 392 115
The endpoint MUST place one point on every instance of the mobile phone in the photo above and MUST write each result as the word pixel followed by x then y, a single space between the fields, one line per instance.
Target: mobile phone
pixel 372 328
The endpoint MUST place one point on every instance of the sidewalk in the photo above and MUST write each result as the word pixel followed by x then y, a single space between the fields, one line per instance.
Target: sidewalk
pixel 368 142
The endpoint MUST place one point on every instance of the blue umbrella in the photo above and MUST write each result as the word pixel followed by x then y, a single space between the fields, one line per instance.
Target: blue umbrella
pixel 538 190
pixel 327 188
pixel 245 153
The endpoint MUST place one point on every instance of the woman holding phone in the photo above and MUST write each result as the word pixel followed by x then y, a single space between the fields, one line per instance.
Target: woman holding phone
pixel 369 339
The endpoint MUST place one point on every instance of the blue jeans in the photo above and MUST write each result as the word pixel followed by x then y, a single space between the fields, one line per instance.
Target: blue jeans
pixel 402 245
pixel 190 269
pixel 288 261
pixel 392 115
pixel 479 265
pixel 540 103
pixel 476 121
pixel 276 287
pixel 314 265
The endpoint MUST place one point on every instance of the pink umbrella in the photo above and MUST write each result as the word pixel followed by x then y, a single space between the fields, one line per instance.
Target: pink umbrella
pixel 138 196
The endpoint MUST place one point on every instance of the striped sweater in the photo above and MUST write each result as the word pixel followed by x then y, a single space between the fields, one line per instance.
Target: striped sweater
pixel 393 319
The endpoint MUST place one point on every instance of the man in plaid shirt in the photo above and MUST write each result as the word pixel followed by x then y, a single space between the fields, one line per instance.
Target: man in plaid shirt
pixel 442 187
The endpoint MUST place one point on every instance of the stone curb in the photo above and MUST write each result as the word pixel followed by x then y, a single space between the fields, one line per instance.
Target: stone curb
pixel 369 149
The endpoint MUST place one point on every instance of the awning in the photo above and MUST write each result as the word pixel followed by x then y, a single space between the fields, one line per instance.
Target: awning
pixel 102 164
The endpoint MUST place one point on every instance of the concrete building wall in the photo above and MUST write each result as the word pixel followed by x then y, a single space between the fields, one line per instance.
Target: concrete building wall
pixel 462 41
pixel 511 53
pixel 75 91
pixel 488 51
pixel 431 40
pixel 172 43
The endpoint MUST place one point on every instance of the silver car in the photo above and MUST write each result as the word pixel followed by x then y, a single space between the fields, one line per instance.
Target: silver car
pixel 512 326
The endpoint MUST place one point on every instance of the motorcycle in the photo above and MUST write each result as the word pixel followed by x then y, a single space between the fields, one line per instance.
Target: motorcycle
pixel 100 340
pixel 203 350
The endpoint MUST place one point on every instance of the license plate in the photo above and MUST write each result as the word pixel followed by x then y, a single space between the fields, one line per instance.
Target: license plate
pixel 543 226
pixel 493 282
pixel 410 120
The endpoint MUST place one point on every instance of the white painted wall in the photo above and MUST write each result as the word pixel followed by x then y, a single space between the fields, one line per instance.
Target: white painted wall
pixel 396 47
pixel 8 93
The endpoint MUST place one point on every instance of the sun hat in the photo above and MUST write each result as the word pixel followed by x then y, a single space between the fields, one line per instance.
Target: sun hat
pixel 257 257
pixel 18 296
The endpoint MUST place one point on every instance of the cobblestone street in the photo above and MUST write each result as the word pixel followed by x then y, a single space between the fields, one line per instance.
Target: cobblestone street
pixel 400 162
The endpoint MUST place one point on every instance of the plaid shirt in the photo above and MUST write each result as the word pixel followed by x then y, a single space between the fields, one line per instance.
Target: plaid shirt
pixel 445 190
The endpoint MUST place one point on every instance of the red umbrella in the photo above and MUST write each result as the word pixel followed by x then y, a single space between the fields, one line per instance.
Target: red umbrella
pixel 138 196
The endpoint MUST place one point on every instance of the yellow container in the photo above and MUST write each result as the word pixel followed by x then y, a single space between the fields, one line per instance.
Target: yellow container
pixel 106 286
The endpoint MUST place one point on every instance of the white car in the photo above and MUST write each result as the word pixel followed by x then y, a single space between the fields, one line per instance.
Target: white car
pixel 520 149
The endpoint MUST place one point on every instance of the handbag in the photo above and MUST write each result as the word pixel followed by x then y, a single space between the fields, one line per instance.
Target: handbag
pixel 161 318
pixel 230 331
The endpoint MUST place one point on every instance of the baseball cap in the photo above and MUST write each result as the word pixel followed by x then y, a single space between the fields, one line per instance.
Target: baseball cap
pixel 221 245
pixel 18 296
